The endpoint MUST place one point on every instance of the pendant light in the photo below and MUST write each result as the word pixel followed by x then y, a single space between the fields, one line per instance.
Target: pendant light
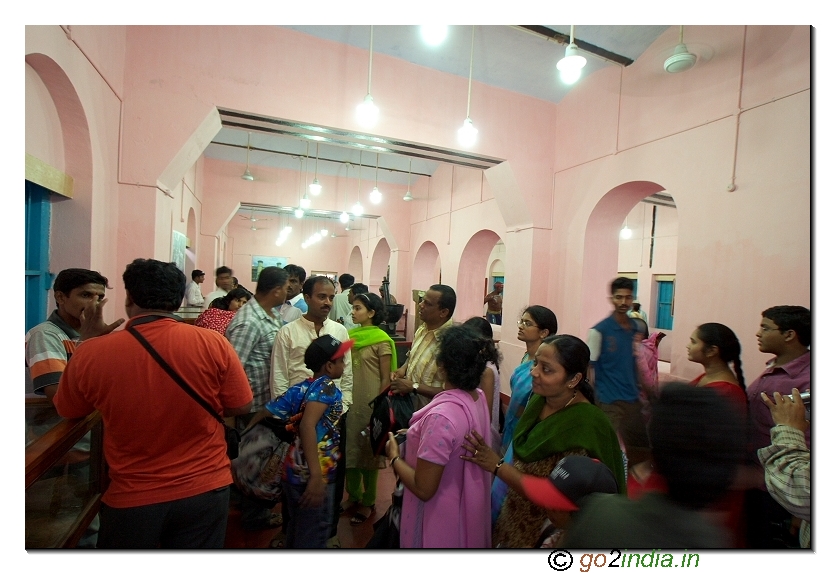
pixel 247 176
pixel 467 133
pixel 625 232
pixel 434 34
pixel 315 187
pixel 367 112
pixel 304 203
pixel 357 208
pixel 572 64
pixel 376 196
pixel 408 195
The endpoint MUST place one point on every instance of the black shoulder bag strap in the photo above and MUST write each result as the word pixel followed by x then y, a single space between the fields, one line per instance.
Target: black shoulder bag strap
pixel 173 373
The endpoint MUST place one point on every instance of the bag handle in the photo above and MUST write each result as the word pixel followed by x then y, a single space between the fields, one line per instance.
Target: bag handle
pixel 168 369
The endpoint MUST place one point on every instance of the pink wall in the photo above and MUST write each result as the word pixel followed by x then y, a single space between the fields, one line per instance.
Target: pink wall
pixel 148 96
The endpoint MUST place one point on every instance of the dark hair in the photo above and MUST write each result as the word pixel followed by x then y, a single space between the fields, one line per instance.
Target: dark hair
pixel 270 278
pixel 235 281
pixel 480 325
pixel 224 270
pixel 697 442
pixel 447 299
pixel 641 327
pixel 307 287
pixel 296 271
pixel 636 306
pixel 461 352
pixel 622 283
pixel 797 318
pixel 723 338
pixel 223 302
pixel 154 285
pixel 346 280
pixel 70 279
pixel 543 317
pixel 196 273
pixel 372 302
pixel 573 354
pixel 358 288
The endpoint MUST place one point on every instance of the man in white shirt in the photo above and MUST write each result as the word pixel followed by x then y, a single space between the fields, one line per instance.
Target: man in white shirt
pixel 341 310
pixel 223 280
pixel 193 295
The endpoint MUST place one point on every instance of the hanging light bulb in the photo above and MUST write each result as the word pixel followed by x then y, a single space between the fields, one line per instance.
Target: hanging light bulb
pixel 344 217
pixel 376 196
pixel 626 232
pixel 408 195
pixel 571 65
pixel 357 209
pixel 434 34
pixel 467 133
pixel 247 176
pixel 367 112
pixel 299 212
pixel 323 232
pixel 315 187
pixel 304 203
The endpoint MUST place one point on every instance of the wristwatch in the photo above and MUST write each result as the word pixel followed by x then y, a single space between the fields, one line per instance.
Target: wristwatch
pixel 415 386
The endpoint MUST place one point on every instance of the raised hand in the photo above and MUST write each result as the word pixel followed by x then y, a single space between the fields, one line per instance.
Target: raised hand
pixel 92 322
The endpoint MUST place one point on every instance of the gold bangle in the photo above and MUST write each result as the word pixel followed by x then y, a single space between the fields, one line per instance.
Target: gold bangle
pixel 394 459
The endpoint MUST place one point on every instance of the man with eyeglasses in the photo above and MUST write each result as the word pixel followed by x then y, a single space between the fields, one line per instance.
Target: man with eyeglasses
pixel 613 372
pixel 786 332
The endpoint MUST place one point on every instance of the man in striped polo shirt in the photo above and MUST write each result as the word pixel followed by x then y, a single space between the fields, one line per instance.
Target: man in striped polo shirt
pixel 51 344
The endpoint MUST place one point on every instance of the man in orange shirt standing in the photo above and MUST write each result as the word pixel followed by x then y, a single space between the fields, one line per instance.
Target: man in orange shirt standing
pixel 169 470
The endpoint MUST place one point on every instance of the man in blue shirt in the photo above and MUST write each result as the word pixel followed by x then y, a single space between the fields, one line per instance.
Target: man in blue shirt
pixel 613 374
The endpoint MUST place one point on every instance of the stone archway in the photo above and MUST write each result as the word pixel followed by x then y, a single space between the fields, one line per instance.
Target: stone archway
pixel 379 265
pixel 426 267
pixel 355 264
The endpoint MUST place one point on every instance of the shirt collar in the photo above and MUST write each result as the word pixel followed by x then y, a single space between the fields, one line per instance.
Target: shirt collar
pixel 56 319
pixel 792 368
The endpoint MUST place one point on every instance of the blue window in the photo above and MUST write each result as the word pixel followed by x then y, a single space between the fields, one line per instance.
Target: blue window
pixel 38 278
pixel 664 308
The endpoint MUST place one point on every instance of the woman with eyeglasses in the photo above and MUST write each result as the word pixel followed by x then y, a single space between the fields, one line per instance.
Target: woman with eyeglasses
pixel 373 358
pixel 535 325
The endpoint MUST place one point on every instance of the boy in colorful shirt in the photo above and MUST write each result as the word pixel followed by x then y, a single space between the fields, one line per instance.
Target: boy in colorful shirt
pixel 309 491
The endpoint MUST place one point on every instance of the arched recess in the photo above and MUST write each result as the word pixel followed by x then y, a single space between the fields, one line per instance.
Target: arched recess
pixel 379 264
pixel 355 264
pixel 471 271
pixel 600 248
pixel 71 232
pixel 425 270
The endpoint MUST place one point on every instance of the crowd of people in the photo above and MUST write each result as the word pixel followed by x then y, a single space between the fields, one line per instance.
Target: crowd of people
pixel 591 450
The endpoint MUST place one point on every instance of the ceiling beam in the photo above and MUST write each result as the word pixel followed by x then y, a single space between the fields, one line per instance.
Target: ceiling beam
pixel 549 34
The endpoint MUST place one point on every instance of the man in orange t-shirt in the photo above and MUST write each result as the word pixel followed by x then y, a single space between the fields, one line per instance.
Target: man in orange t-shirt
pixel 169 470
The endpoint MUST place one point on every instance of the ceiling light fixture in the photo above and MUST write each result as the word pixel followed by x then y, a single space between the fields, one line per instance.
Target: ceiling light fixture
pixel 367 112
pixel 344 217
pixel 467 133
pixel 315 187
pixel 681 60
pixel 323 232
pixel 247 176
pixel 626 232
pixel 357 208
pixel 376 196
pixel 408 195
pixel 299 212
pixel 572 64
pixel 434 34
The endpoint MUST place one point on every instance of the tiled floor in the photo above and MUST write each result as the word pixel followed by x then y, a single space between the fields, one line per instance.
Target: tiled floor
pixel 350 536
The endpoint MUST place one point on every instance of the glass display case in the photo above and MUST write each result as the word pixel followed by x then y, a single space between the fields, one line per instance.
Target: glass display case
pixel 65 475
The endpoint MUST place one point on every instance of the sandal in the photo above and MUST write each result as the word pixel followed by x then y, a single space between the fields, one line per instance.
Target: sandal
pixel 361 516
pixel 347 505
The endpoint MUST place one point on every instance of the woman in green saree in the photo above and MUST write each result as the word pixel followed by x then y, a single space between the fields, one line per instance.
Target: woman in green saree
pixel 373 358
pixel 559 420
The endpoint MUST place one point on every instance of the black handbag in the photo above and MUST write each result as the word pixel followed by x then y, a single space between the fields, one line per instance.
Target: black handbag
pixel 390 412
pixel 233 438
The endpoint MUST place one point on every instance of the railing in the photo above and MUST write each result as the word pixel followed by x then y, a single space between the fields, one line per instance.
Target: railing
pixel 65 475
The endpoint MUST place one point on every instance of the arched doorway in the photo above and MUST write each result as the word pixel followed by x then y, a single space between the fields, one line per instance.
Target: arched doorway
pixel 355 264
pixel 471 274
pixel 426 270
pixel 379 265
